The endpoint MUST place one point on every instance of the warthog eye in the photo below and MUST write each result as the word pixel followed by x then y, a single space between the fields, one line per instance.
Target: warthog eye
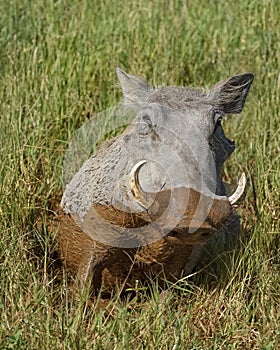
pixel 217 117
pixel 144 125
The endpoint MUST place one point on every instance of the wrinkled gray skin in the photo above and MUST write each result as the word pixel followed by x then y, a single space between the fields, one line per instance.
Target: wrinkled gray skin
pixel 177 130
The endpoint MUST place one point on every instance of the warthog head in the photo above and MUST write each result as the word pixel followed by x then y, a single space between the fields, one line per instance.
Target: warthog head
pixel 164 172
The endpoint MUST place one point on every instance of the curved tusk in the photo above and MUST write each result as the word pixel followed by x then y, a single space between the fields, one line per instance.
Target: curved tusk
pixel 135 187
pixel 238 193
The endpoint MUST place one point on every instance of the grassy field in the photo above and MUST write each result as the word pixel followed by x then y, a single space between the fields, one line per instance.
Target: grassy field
pixel 57 67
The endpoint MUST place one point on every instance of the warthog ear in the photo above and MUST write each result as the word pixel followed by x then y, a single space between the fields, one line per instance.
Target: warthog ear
pixel 135 89
pixel 229 95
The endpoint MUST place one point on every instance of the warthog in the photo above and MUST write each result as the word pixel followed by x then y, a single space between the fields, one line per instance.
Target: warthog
pixel 145 203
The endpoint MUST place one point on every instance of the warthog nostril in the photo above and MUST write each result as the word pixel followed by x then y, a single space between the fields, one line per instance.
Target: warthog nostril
pixel 174 233
pixel 205 234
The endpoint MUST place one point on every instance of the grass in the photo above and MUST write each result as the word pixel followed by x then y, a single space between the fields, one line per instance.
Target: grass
pixel 57 67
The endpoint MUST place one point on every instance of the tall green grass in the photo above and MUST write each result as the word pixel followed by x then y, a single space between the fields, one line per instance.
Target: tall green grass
pixel 57 67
